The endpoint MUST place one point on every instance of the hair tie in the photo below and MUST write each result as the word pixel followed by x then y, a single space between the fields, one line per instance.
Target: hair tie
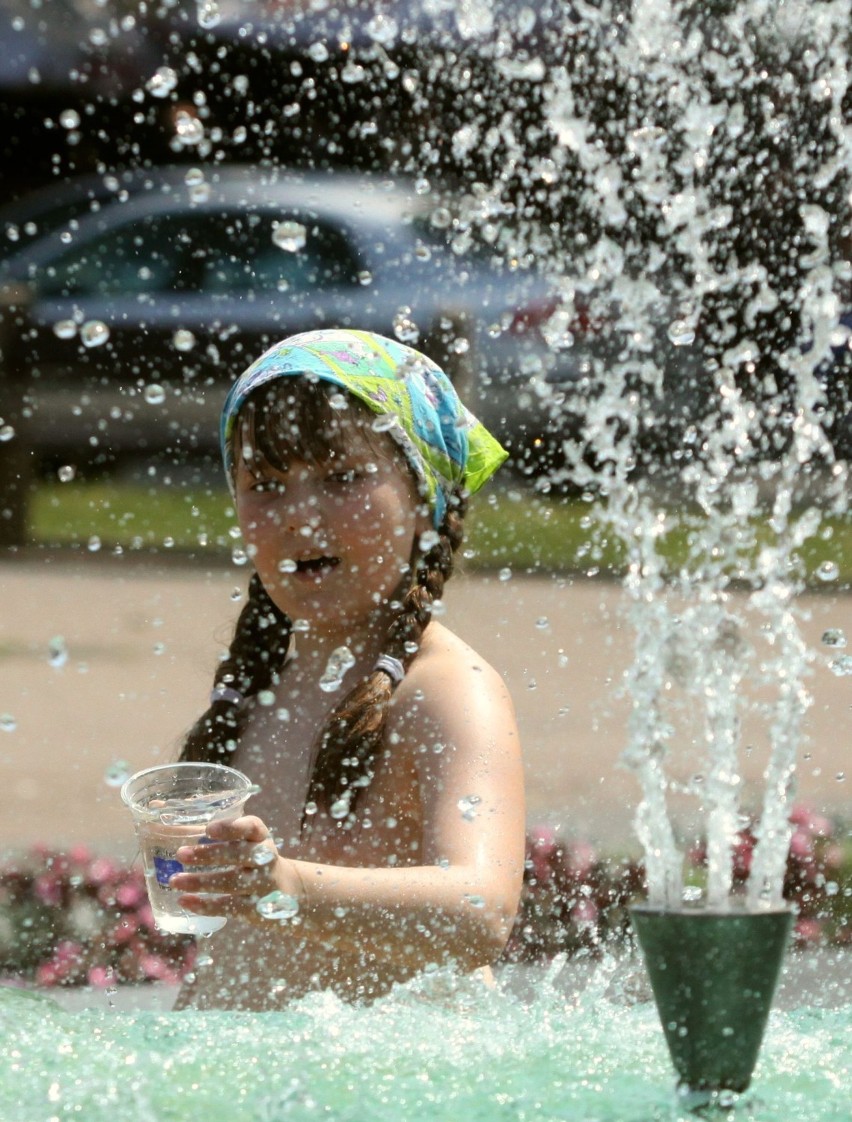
pixel 226 693
pixel 391 666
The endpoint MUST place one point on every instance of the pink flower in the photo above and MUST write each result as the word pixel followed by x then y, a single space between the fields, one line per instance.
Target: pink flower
pixel 583 858
pixel 145 916
pixel 48 888
pixel 47 974
pixel 102 871
pixel 100 977
pixel 158 969
pixel 801 846
pixel 808 931
pixel 130 894
pixel 742 854
pixel 585 912
pixel 124 931
pixel 810 821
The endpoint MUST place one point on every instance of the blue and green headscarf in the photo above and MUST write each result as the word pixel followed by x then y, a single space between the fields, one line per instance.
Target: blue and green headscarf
pixel 444 443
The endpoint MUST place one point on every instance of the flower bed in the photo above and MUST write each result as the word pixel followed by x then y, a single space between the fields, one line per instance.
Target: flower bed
pixel 574 900
pixel 71 918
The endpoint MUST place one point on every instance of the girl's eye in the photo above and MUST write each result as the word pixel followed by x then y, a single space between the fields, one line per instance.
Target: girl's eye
pixel 350 475
pixel 268 486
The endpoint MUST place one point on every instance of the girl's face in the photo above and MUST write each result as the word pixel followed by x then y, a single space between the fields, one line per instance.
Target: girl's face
pixel 332 535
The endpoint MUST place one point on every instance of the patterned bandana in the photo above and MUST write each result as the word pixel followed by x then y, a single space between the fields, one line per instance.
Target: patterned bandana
pixel 443 442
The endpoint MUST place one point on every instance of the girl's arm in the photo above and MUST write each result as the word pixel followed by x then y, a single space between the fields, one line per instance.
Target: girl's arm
pixel 459 903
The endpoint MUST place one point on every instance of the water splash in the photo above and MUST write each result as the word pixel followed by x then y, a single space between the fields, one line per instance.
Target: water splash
pixel 340 661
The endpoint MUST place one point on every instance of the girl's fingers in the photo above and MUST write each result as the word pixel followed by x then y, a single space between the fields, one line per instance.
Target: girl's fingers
pixel 209 905
pixel 249 828
pixel 247 854
pixel 234 882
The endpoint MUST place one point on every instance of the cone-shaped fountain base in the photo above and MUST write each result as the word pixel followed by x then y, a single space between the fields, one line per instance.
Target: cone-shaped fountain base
pixel 713 974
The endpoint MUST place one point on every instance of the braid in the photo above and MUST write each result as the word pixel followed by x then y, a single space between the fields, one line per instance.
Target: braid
pixel 352 737
pixel 255 656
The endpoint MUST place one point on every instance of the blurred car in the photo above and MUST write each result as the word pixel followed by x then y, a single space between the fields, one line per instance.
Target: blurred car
pixel 127 316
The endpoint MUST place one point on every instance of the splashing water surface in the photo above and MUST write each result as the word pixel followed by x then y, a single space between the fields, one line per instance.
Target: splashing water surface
pixel 435 1050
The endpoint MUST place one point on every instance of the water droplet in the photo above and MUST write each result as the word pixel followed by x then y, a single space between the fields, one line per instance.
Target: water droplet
pixel 94 333
pixel 6 433
pixel 288 565
pixel 183 340
pixel 266 698
pixel 208 14
pixel 404 327
pixel 57 652
pixel 162 82
pixel 834 637
pixel 277 905
pixel 318 52
pixel 340 661
pixel 505 574
pixel 117 772
pixel 382 29
pixel 681 333
pixel 159 648
pixel 311 808
pixel 239 555
pixel 193 177
pixel 384 422
pixel 828 571
pixel 842 666
pixel 474 18
pixel 65 329
pixel 290 236
pixel 542 623
pixel 476 901
pixel 93 544
pixel 66 473
pixel 7 722
pixel 339 809
pixel 302 625
pixel 154 394
pixel 468 805
pixel 69 119
pixel 262 855
pixel 189 130
pixel 365 277
pixel 352 73
pixel 428 540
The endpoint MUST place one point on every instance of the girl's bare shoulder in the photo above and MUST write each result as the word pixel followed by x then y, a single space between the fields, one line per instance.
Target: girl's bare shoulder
pixel 449 682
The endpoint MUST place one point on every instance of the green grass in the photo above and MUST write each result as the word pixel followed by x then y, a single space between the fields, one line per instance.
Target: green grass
pixel 508 528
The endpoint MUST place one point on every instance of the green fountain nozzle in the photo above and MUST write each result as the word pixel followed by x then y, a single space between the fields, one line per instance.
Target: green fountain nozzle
pixel 713 974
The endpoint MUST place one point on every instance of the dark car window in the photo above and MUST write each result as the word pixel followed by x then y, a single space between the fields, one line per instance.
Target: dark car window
pixel 240 255
pixel 146 256
pixel 212 253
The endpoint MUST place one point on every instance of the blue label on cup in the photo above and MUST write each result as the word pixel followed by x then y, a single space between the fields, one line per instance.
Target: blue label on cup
pixel 165 868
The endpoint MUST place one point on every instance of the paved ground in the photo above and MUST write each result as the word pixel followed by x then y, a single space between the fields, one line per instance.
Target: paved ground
pixel 142 638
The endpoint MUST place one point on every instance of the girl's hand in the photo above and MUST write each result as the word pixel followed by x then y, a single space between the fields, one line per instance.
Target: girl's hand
pixel 233 874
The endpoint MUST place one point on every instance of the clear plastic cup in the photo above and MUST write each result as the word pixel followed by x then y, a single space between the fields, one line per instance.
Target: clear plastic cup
pixel 172 805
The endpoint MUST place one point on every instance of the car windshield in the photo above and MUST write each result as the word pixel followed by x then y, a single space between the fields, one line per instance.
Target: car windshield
pixel 216 253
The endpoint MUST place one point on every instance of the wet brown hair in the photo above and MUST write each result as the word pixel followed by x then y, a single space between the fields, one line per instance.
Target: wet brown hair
pixel 298 418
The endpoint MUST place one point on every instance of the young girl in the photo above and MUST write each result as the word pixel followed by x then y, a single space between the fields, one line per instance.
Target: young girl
pixel 388 830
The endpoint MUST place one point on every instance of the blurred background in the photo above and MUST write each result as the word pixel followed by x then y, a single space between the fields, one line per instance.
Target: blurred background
pixel 182 183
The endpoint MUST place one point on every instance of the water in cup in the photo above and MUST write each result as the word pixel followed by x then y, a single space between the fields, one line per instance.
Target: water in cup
pixel 172 806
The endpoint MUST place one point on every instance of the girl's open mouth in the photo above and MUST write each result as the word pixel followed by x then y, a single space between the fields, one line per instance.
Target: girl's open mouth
pixel 316 566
